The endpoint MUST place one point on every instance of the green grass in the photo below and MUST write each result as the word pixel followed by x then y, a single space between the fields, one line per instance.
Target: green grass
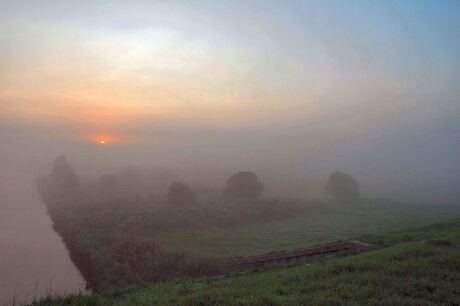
pixel 299 232
pixel 115 244
pixel 410 267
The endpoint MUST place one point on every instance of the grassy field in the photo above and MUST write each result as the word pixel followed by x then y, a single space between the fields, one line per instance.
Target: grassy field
pixel 118 243
pixel 300 232
pixel 418 266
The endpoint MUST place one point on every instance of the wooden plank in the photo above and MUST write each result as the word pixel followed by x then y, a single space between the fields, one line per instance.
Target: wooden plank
pixel 296 254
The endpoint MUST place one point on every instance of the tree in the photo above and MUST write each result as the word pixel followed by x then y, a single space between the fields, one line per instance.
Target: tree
pixel 342 186
pixel 243 185
pixel 62 174
pixel 180 194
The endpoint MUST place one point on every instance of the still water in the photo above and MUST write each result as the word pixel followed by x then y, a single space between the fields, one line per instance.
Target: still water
pixel 33 260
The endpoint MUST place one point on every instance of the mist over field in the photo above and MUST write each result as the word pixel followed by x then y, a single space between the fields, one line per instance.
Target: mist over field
pixel 419 162
pixel 367 88
pixel 219 128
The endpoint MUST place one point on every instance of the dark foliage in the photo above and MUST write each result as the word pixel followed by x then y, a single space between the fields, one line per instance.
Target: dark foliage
pixel 243 185
pixel 180 194
pixel 342 186
pixel 62 174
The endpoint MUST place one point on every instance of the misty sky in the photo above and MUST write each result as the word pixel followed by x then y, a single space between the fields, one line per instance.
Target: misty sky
pixel 289 89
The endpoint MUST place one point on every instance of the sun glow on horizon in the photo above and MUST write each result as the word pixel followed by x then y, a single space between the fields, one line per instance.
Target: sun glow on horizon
pixel 109 139
pixel 103 139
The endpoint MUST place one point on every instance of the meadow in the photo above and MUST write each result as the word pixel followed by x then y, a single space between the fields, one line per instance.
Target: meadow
pixel 418 266
pixel 339 222
pixel 118 239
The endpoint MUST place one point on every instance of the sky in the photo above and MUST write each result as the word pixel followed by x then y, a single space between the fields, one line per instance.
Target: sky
pixel 289 89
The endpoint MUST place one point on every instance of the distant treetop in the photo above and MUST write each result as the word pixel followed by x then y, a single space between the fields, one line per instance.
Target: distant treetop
pixel 62 173
pixel 180 194
pixel 243 185
pixel 342 186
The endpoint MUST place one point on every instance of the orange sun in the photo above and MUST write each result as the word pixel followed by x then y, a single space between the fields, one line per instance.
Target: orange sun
pixel 103 138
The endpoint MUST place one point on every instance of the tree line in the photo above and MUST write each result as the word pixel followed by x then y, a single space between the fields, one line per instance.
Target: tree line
pixel 243 185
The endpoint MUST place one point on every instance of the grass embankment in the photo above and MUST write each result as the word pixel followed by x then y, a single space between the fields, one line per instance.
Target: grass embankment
pixel 410 267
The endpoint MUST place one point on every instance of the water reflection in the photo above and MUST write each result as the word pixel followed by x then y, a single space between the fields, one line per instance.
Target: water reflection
pixel 33 259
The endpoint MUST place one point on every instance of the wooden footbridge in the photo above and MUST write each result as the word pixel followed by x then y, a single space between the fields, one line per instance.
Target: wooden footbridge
pixel 298 254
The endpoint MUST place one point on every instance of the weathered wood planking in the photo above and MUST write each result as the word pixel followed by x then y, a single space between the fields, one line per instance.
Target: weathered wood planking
pixel 297 254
